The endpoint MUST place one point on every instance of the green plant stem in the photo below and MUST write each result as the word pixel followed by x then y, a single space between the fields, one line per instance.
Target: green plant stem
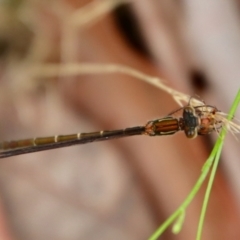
pixel 215 154
pixel 219 145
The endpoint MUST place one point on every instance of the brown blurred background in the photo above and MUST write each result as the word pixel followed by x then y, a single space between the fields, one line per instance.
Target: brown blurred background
pixel 119 189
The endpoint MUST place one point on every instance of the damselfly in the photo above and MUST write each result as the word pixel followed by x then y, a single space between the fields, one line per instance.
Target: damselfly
pixel 194 121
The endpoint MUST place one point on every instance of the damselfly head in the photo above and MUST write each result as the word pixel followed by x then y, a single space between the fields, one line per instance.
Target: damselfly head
pixel 209 119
